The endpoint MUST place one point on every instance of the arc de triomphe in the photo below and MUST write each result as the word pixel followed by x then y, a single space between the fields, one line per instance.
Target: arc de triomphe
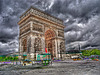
pixel 39 30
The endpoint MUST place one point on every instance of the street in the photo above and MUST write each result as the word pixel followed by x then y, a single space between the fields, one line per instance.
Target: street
pixel 59 68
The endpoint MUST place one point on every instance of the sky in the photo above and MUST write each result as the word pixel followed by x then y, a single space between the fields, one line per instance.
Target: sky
pixel 81 20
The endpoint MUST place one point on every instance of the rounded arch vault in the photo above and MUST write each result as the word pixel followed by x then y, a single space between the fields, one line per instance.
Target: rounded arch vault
pixel 50 42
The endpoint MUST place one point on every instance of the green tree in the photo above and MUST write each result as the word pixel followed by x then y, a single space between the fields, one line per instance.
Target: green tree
pixel 90 52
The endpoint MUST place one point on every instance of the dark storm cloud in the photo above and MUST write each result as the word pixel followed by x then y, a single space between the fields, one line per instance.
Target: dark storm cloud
pixel 7 35
pixel 88 35
pixel 83 27
pixel 1 6
pixel 82 9
pixel 81 18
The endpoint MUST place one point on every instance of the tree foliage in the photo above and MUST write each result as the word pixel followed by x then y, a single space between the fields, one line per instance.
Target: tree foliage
pixel 9 58
pixel 90 52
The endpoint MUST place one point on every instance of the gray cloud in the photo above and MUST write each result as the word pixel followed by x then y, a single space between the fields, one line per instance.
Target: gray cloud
pixel 81 18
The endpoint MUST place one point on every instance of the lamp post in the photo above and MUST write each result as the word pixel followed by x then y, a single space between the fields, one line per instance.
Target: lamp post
pixel 79 47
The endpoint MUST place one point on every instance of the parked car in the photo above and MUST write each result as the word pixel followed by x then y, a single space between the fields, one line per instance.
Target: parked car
pixel 95 59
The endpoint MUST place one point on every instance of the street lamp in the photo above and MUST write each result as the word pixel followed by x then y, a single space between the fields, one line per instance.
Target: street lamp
pixel 79 47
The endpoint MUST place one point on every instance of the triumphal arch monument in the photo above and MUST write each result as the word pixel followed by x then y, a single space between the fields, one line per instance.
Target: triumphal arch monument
pixel 39 30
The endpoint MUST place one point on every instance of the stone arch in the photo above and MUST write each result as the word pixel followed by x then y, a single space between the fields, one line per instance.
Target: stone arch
pixel 49 34
pixel 49 38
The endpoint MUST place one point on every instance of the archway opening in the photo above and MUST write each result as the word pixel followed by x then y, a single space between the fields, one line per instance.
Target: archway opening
pixel 49 38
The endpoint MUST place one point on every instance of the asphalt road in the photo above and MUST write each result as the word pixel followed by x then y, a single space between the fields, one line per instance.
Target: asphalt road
pixel 57 68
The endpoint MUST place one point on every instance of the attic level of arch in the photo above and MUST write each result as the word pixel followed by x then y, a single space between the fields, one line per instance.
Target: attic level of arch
pixel 30 20
pixel 42 14
pixel 39 22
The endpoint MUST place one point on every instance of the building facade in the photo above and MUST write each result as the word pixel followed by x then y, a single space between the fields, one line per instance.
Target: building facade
pixel 39 30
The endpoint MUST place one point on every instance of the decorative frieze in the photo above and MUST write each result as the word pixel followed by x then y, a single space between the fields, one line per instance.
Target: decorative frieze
pixel 37 28
pixel 38 22
pixel 60 34
pixel 24 29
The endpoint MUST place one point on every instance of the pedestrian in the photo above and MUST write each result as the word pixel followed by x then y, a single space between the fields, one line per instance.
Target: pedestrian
pixel 51 61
